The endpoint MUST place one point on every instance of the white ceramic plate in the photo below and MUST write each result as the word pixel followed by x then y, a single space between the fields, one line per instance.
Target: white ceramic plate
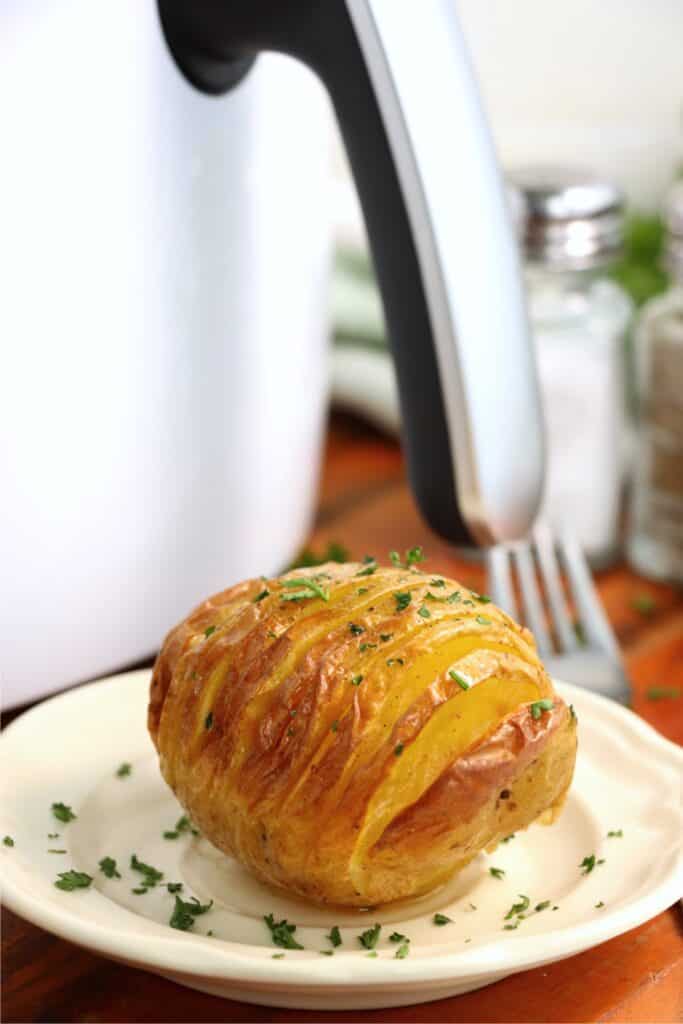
pixel 68 749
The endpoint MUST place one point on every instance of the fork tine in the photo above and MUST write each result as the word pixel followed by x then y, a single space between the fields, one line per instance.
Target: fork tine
pixel 500 583
pixel 531 599
pixel 591 614
pixel 547 560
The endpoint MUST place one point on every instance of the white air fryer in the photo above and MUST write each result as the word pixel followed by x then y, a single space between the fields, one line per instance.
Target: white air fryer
pixel 164 266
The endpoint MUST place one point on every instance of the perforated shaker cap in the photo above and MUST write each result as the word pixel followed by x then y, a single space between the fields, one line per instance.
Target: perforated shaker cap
pixel 573 219
pixel 673 219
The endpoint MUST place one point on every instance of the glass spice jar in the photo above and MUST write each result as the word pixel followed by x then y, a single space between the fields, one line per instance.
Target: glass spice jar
pixel 655 542
pixel 572 232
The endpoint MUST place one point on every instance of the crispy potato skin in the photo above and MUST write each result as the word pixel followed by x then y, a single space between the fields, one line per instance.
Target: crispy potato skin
pixel 360 746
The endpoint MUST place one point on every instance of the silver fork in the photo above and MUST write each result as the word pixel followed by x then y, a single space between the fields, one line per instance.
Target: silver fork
pixel 585 653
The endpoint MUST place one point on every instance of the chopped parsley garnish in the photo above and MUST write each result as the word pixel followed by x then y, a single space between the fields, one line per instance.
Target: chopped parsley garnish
pixel 141 891
pixel 542 906
pixel 508 838
pixel 271 634
pixel 184 913
pixel 414 556
pixel 309 588
pixel 482 620
pixel 572 712
pixel 7 841
pixel 437 582
pixel 395 559
pixel 357 680
pixel 108 867
pixel 334 726
pixel 397 937
pixel 150 875
pixel 326 952
pixel 398 749
pixel 372 954
pixel 208 721
pixel 362 590
pixel 124 770
pixel 335 936
pixel 277 956
pixel 282 933
pixel 497 872
pixel 518 908
pixel 370 937
pixel 663 693
pixel 356 630
pixel 441 919
pixel 643 603
pixel 386 637
pixel 209 630
pixel 513 924
pixel 174 886
pixel 369 566
pixel 600 905
pixel 453 598
pixel 482 598
pixel 366 647
pixel 57 851
pixel 182 825
pixel 539 706
pixel 617 833
pixel 334 552
pixel 70 880
pixel 424 612
pixel 63 812
pixel 471 906
pixel 456 677
pixel 395 661
pixel 588 863
pixel 402 951
pixel 261 596
pixel 403 599
pixel 53 835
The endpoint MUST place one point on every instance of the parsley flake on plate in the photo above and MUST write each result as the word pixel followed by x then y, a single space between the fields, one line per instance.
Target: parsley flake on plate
pixel 70 880
pixel 7 841
pixel 402 951
pixel 63 812
pixel 124 770
pixel 184 913
pixel 518 908
pixel 282 933
pixel 150 875
pixel 617 833
pixel 334 936
pixel 108 867
pixel 497 872
pixel 441 919
pixel 370 937
pixel 590 862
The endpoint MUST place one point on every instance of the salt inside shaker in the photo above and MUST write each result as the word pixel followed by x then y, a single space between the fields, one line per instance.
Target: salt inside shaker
pixel 579 317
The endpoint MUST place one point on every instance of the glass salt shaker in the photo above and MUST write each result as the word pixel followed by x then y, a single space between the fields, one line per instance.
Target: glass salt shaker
pixel 572 231
pixel 655 542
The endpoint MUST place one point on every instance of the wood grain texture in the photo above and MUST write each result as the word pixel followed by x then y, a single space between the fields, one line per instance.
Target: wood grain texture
pixel 637 977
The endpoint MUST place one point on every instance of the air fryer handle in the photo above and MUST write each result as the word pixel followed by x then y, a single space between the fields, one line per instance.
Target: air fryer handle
pixel 444 252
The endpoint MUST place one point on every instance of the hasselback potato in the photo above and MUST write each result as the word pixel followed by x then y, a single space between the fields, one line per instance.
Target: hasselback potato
pixel 357 734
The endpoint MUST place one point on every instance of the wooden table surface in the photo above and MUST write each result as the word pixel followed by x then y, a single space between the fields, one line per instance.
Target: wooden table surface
pixel 365 505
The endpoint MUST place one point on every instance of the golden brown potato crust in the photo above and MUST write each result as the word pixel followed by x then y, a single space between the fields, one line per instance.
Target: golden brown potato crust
pixel 359 741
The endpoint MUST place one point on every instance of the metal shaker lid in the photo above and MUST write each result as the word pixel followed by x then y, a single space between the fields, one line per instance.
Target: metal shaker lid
pixel 672 212
pixel 573 219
